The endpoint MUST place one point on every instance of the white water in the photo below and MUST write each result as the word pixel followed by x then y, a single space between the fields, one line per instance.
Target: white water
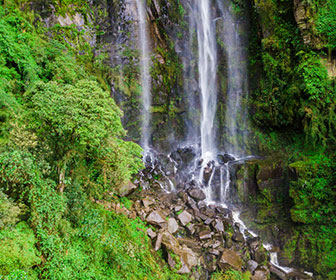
pixel 145 75
pixel 207 68
pixel 237 86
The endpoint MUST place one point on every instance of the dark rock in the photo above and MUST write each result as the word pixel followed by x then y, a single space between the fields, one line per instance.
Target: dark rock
pixel 222 210
pixel 225 158
pixel 238 237
pixel 197 194
pixel 191 203
pixel 208 212
pixel 185 218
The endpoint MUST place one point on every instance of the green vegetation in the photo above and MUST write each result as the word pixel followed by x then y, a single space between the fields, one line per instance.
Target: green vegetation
pixel 294 105
pixel 61 148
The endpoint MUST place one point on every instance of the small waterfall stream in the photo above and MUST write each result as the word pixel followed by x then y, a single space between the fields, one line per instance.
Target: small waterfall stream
pixel 207 69
pixel 145 75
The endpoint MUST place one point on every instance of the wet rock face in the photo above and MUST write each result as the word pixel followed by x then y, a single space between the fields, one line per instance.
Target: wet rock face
pixel 196 193
pixel 303 13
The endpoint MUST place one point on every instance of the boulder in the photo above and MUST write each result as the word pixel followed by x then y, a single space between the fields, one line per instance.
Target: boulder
pixel 225 158
pixel 151 233
pixel 230 259
pixel 197 194
pixel 126 189
pixel 172 225
pixel 185 218
pixel 158 242
pixel 148 202
pixel 205 235
pixel 183 270
pixel 219 225
pixel 191 228
pixel 156 218
pixel 238 237
pixel 171 262
pixel 252 266
pixel 260 275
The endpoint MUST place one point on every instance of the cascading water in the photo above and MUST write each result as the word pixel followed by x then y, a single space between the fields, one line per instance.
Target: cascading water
pixel 237 81
pixel 145 75
pixel 207 68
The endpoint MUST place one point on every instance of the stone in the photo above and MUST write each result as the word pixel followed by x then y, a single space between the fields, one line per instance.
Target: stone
pixel 197 194
pixel 252 265
pixel 189 257
pixel 214 252
pixel 172 225
pixel 191 228
pixel 171 262
pixel 156 218
pixel 178 208
pixel 260 275
pixel 208 221
pixel 216 244
pixel 170 241
pixel 201 204
pixel 210 213
pixel 222 210
pixel 126 189
pixel 219 225
pixel 151 233
pixel 191 203
pixel 230 259
pixel 158 242
pixel 185 218
pixel 183 270
pixel 238 237
pixel 225 158
pixel 205 235
pixel 147 202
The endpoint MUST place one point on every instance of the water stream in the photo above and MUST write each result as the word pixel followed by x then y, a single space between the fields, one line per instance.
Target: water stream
pixel 145 75
pixel 207 69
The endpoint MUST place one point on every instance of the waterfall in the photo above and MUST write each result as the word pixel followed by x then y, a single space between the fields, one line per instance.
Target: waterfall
pixel 145 75
pixel 207 68
pixel 237 81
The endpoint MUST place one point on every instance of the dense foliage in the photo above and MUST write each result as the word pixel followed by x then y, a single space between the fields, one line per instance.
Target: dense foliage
pixel 62 148
pixel 295 104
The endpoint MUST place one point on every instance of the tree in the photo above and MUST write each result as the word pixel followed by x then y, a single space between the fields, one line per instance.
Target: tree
pixel 80 125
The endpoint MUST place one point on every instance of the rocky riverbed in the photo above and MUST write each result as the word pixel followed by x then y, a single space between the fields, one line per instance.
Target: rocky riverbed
pixel 198 239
